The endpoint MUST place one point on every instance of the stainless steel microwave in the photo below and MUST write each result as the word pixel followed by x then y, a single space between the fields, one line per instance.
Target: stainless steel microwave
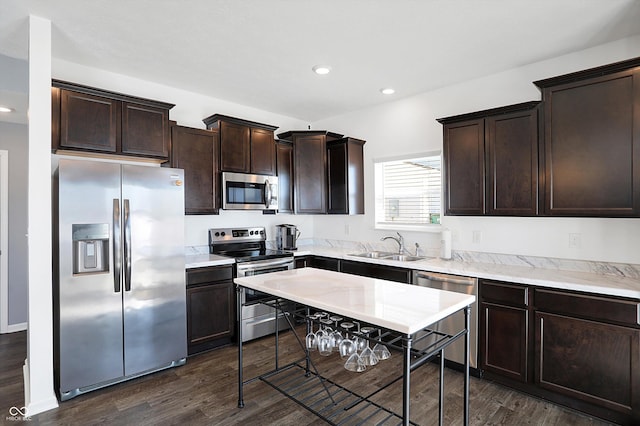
pixel 241 191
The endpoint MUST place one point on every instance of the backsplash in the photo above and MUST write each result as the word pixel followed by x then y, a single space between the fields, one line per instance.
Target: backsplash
pixel 601 268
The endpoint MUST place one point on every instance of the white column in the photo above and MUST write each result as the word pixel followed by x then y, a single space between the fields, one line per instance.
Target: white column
pixel 38 367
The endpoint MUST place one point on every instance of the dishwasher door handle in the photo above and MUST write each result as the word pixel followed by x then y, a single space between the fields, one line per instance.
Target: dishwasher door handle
pixel 454 279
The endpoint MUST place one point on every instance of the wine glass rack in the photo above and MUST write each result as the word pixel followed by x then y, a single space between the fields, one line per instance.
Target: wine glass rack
pixel 301 382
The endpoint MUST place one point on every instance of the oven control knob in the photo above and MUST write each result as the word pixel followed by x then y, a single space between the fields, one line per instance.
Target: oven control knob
pixel 250 232
pixel 261 232
pixel 222 234
pixel 217 234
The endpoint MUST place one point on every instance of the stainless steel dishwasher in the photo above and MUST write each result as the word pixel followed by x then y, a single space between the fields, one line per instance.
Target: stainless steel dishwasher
pixel 455 322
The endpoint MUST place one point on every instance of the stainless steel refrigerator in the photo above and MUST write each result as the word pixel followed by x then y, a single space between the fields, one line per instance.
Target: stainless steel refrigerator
pixel 120 308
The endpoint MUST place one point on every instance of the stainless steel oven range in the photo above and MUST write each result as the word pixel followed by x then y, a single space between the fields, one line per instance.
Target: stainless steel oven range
pixel 248 247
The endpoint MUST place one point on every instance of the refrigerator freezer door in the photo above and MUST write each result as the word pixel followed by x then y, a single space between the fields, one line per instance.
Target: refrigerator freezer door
pixel 154 289
pixel 90 308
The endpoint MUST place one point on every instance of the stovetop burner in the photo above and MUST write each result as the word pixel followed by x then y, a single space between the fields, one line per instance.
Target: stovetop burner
pixel 253 255
pixel 243 244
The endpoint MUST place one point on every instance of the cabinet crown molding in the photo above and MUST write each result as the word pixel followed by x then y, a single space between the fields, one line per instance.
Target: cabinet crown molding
pixel 213 120
pixel 80 88
pixel 488 112
pixel 291 133
pixel 627 65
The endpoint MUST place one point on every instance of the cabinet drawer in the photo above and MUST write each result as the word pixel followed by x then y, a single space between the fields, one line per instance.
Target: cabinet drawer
pixel 207 275
pixel 325 263
pixel 372 270
pixel 508 294
pixel 604 309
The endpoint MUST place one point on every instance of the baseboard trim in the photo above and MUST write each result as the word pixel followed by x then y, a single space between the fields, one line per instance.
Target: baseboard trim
pixel 13 328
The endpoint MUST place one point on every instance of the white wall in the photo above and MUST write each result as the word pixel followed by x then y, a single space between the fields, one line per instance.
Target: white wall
pixel 14 138
pixel 409 126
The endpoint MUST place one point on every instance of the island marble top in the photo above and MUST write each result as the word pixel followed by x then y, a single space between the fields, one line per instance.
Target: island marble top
pixel 395 306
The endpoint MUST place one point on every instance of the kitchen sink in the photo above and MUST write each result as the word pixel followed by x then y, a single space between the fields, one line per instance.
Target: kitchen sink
pixel 403 257
pixel 388 256
pixel 374 254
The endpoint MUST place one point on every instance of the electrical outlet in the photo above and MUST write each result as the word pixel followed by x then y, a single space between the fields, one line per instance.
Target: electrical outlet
pixel 477 237
pixel 574 240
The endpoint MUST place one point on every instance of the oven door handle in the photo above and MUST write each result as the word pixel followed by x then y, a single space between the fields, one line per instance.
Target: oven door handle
pixel 263 264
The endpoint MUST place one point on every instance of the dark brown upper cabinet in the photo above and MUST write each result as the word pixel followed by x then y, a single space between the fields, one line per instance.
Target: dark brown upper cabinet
pixel 491 161
pixel 284 157
pixel 90 119
pixel 310 169
pixel 197 152
pixel 463 154
pixel 345 174
pixel 512 162
pixel 592 141
pixel 245 146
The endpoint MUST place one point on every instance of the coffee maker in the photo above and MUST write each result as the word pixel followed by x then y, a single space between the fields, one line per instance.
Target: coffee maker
pixel 286 236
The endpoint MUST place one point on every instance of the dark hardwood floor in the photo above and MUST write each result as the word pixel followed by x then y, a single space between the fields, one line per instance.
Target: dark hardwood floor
pixel 204 392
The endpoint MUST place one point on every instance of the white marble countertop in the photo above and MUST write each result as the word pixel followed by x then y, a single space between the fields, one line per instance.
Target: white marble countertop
pixel 204 260
pixel 606 284
pixel 543 275
pixel 399 307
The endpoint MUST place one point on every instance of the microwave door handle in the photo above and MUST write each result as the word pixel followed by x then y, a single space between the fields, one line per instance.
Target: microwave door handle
pixel 267 193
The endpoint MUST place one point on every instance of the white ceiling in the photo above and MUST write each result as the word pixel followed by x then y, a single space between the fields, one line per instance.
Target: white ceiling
pixel 260 52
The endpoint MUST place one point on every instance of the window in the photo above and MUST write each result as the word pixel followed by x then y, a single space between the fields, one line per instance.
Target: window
pixel 408 192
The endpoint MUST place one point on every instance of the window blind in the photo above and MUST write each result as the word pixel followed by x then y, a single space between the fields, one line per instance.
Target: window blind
pixel 408 191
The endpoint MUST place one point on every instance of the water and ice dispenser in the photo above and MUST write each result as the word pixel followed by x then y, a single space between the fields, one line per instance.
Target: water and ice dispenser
pixel 90 248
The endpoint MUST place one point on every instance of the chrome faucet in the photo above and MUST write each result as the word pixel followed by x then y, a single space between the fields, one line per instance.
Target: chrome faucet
pixel 398 240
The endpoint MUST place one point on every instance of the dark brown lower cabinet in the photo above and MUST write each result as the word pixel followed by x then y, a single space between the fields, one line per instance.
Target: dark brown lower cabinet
pixel 587 351
pixel 505 344
pixel 576 349
pixel 590 361
pixel 210 308
pixel 504 330
pixel 303 261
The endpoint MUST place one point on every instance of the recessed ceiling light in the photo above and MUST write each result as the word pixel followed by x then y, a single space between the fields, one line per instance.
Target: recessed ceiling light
pixel 387 91
pixel 5 109
pixel 321 69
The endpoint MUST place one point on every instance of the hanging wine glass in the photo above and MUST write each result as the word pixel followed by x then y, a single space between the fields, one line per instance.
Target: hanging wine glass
pixel 347 347
pixel 336 335
pixel 367 355
pixel 326 342
pixel 380 350
pixel 311 339
pixel 360 342
pixel 354 363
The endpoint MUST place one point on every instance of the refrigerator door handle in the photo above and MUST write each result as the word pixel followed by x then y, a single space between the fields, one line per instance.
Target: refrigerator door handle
pixel 117 253
pixel 127 246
